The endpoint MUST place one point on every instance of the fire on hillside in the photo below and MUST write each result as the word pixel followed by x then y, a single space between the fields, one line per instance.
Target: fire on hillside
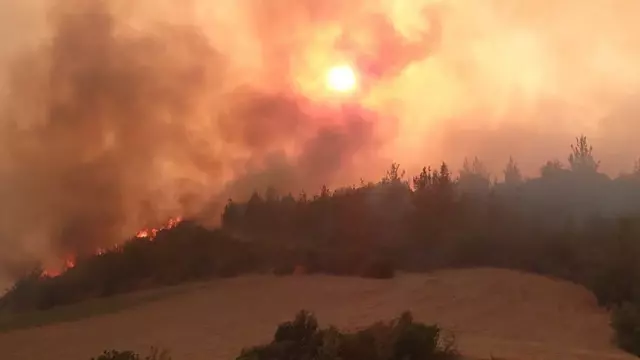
pixel 151 233
pixel 146 233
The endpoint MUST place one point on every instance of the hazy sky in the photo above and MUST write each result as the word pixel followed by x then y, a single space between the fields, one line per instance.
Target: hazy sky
pixel 116 113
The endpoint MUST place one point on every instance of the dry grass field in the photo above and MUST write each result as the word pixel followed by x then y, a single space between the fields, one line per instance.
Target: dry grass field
pixel 500 313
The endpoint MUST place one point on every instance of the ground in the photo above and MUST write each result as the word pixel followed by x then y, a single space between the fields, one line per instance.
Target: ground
pixel 499 313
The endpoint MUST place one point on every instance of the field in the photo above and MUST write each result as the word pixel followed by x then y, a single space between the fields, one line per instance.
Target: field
pixel 499 313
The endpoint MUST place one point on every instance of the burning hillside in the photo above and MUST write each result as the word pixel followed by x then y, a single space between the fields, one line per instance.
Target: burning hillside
pixel 146 234
pixel 151 233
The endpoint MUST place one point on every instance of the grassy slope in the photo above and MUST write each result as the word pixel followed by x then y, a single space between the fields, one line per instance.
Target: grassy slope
pixel 11 322
pixel 493 312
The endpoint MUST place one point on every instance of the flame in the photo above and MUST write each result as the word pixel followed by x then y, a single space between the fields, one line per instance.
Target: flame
pixel 151 233
pixel 147 233
pixel 49 273
pixel 69 263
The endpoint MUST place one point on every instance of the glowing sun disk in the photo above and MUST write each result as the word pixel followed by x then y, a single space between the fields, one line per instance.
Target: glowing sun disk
pixel 341 78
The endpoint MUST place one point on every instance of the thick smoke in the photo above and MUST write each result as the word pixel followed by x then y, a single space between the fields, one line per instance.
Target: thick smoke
pixel 116 114
pixel 108 128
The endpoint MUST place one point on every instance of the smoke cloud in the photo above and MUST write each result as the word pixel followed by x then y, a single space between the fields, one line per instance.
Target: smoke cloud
pixel 118 114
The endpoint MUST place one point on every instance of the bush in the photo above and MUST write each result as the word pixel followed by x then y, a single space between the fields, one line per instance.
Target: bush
pixel 303 339
pixel 398 340
pixel 155 354
pixel 118 355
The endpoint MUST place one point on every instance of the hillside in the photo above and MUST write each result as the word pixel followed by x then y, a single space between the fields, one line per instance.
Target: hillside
pixel 502 313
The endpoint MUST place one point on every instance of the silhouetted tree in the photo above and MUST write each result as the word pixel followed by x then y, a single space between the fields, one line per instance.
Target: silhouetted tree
pixel 422 180
pixel 232 216
pixel 581 158
pixel 445 185
pixel 551 168
pixel 393 175
pixel 302 198
pixel 512 174
pixel 474 176
pixel 444 176
pixel 325 192
pixel 255 214
pixel 271 195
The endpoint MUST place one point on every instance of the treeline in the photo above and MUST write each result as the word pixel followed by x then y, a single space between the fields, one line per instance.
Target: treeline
pixel 571 222
pixel 567 222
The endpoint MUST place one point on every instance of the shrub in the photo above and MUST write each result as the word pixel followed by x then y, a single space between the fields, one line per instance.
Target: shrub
pixel 398 340
pixel 118 355
pixel 154 354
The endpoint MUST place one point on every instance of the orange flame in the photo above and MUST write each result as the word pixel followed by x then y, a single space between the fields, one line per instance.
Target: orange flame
pixel 147 233
pixel 49 273
pixel 69 263
pixel 151 233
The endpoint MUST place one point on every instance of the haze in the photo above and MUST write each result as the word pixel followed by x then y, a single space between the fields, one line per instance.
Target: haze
pixel 115 114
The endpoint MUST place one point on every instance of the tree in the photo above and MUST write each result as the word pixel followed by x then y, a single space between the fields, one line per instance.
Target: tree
pixel 551 168
pixel 424 180
pixel 255 213
pixel 231 216
pixel 444 183
pixel 476 167
pixel 581 158
pixel 512 174
pixel 271 195
pixel 474 176
pixel 393 175
pixel 325 193
pixel 444 177
pixel 435 180
pixel 303 198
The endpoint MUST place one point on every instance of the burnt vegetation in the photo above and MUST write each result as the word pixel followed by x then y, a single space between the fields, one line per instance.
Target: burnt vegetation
pixel 572 222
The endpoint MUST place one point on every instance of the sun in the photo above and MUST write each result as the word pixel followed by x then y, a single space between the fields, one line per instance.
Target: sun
pixel 342 78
